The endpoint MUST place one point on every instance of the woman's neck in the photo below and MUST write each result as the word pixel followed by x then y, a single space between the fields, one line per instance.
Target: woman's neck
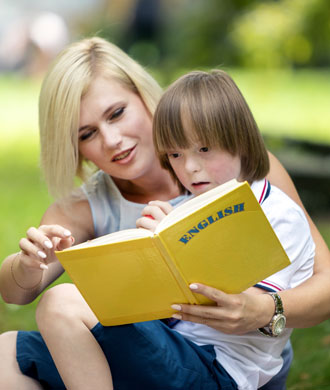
pixel 159 186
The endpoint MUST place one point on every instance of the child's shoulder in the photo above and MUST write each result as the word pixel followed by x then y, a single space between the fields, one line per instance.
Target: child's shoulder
pixel 282 212
pixel 273 198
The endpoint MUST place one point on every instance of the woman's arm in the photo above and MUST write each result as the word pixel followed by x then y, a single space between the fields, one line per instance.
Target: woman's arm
pixel 307 304
pixel 24 275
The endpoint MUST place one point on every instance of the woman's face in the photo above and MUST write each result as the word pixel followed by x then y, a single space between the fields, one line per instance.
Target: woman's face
pixel 115 130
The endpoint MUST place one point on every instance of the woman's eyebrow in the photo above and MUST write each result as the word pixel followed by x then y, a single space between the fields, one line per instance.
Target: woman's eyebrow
pixel 83 128
pixel 104 114
pixel 109 109
pixel 113 106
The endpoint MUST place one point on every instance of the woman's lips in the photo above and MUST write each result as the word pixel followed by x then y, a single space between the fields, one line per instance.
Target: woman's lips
pixel 123 155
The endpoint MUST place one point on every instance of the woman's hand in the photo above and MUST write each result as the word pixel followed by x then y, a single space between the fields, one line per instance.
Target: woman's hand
pixel 24 275
pixel 37 248
pixel 152 214
pixel 231 314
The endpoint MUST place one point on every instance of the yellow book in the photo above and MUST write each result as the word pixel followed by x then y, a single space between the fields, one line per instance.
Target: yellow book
pixel 221 238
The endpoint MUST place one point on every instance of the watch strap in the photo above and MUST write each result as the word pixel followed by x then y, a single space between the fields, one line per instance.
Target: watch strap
pixel 278 315
pixel 278 303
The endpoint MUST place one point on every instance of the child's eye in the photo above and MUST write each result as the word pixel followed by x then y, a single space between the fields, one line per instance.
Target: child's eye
pixel 204 149
pixel 116 114
pixel 87 134
pixel 173 155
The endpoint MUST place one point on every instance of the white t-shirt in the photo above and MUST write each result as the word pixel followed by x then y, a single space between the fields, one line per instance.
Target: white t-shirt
pixel 253 359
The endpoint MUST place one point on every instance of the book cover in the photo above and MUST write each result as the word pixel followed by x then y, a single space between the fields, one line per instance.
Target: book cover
pixel 221 238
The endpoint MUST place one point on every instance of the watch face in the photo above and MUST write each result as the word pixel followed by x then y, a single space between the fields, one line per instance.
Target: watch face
pixel 278 324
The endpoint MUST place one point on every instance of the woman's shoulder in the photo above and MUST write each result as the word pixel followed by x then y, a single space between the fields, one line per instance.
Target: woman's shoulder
pixel 75 214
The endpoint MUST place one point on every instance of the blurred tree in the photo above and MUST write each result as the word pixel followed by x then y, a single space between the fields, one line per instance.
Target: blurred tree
pixel 317 28
pixel 204 33
pixel 197 31
pixel 142 36
pixel 283 33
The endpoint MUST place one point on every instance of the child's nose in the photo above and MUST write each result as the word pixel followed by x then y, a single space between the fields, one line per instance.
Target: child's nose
pixel 192 165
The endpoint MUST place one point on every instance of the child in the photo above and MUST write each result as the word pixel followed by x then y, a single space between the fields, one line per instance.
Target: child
pixel 205 135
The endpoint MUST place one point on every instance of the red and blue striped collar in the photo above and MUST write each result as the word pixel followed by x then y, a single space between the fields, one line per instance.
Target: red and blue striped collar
pixel 265 191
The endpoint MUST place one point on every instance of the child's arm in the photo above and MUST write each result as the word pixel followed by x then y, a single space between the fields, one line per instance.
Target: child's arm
pixel 153 214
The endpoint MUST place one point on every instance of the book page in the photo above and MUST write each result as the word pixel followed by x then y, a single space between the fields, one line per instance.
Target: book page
pixel 195 203
pixel 123 235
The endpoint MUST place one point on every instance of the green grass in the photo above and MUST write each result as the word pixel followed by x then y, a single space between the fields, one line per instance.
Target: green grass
pixel 310 367
pixel 287 103
pixel 23 196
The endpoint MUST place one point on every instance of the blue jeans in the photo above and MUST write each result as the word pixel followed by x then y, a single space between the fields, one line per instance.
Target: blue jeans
pixel 146 355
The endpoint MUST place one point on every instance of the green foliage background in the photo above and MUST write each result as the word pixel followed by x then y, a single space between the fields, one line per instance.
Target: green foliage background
pixel 248 33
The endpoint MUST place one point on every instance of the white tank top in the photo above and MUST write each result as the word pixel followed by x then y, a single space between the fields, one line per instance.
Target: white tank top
pixel 111 212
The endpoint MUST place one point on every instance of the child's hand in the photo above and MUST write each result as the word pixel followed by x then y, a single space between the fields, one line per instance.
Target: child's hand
pixel 40 243
pixel 153 214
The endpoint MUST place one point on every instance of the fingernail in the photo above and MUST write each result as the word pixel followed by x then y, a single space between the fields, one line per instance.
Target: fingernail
pixel 193 286
pixel 43 266
pixel 67 233
pixel 177 316
pixel 176 307
pixel 42 254
pixel 48 244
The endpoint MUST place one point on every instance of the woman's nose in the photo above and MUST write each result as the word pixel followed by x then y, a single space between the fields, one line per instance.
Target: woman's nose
pixel 111 138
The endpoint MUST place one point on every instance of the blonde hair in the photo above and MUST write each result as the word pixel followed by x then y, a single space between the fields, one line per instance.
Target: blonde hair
pixel 65 84
pixel 208 107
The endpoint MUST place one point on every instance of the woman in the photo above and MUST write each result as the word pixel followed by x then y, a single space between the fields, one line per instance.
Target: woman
pixel 96 106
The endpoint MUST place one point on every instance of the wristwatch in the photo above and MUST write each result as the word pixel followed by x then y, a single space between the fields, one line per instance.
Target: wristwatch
pixel 277 323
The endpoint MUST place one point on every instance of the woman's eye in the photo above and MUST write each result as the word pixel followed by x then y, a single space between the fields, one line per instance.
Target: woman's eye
pixel 204 149
pixel 116 114
pixel 86 134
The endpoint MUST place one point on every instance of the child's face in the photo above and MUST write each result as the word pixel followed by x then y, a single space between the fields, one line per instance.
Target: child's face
pixel 201 168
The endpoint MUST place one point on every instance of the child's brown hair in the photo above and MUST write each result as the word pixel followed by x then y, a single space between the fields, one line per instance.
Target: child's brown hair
pixel 208 108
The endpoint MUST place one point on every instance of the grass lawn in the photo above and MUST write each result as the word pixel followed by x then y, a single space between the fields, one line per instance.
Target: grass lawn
pixel 287 103
pixel 275 101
